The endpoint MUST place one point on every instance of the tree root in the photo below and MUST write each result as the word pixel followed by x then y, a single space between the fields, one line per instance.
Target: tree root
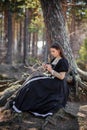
pixel 82 85
pixel 61 114
pixel 82 74
pixel 49 120
pixel 8 93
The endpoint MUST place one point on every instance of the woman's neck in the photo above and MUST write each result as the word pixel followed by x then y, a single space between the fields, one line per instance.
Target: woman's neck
pixel 59 57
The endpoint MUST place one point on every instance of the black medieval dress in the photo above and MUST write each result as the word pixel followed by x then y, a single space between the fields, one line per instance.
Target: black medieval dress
pixel 43 95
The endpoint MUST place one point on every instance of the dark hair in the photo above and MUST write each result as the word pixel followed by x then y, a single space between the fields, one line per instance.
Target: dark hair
pixel 58 47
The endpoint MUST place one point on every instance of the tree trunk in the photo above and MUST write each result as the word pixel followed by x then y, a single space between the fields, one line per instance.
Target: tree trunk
pixel 72 29
pixel 20 42
pixel 10 39
pixel 36 40
pixel 55 24
pixel 45 52
pixel 5 26
pixel 26 36
pixel 33 44
pixel 14 44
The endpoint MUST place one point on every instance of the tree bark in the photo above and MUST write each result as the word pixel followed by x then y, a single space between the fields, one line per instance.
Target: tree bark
pixel 83 74
pixel 5 26
pixel 26 36
pixel 33 44
pixel 55 24
pixel 20 41
pixel 36 40
pixel 10 39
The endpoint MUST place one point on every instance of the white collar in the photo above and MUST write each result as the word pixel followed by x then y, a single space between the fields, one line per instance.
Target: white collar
pixel 56 60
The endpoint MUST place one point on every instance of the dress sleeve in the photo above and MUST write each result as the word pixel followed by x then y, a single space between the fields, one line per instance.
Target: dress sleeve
pixel 64 66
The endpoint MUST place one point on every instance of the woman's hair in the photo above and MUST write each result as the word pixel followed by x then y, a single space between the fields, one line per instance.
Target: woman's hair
pixel 58 47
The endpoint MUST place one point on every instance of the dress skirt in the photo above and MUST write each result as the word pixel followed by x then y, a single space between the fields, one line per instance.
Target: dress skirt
pixel 42 96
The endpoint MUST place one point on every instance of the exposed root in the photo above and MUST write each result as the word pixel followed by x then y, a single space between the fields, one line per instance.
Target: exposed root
pixel 82 74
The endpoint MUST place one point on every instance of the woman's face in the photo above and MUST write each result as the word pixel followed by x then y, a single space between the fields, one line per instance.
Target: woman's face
pixel 54 52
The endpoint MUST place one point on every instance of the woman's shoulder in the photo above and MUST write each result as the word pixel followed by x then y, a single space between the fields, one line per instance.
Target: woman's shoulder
pixel 63 63
pixel 63 59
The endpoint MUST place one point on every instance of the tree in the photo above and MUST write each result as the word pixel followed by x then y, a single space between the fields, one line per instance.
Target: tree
pixel 27 9
pixel 76 16
pixel 10 39
pixel 83 51
pixel 55 24
pixel 56 32
pixel 26 35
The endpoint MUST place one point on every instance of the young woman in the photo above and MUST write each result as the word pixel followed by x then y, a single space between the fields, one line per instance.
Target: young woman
pixel 44 95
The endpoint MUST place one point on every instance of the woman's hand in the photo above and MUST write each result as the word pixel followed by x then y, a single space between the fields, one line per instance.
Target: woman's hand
pixel 44 66
pixel 48 67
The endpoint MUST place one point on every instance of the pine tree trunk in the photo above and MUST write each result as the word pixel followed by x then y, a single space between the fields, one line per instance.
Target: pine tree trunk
pixel 33 44
pixel 56 30
pixel 14 44
pixel 5 26
pixel 10 40
pixel 29 44
pixel 26 36
pixel 19 43
pixel 36 40
pixel 72 29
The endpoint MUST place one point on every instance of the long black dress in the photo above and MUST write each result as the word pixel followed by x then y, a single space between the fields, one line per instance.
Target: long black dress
pixel 44 95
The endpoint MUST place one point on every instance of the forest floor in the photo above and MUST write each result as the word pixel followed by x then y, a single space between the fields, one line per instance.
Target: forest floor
pixel 26 121
pixel 73 118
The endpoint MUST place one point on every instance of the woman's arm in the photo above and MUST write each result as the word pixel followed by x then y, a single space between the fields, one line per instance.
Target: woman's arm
pixel 60 75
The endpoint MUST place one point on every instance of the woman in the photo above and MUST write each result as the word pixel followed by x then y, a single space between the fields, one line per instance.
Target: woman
pixel 44 95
